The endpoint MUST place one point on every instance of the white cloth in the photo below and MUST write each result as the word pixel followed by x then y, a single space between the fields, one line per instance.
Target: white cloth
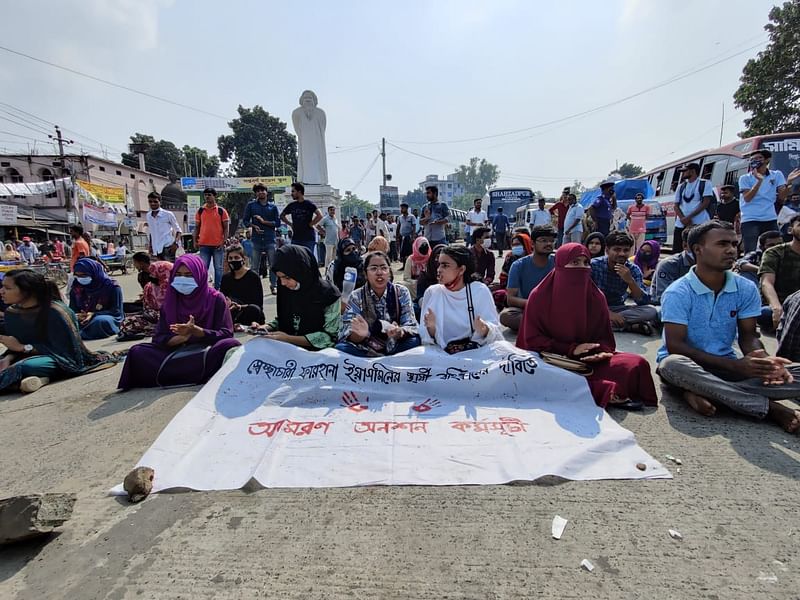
pixel 162 228
pixel 540 217
pixel 787 212
pixel 452 316
pixel 692 192
pixel 287 417
pixel 480 217
pixel 392 227
pixel 574 216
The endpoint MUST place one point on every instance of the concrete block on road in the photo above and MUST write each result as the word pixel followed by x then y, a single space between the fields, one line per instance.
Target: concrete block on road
pixel 25 517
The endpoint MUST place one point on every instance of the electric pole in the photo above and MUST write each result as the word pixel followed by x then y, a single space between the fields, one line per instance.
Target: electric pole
pixel 383 156
pixel 61 141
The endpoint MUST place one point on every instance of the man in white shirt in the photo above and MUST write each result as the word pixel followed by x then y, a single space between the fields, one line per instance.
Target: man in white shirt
pixel 165 233
pixel 391 225
pixel 541 216
pixel 475 218
pixel 382 227
pixel 692 199
pixel 573 221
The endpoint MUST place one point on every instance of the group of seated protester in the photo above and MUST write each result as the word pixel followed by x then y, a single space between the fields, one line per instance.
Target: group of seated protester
pixel 568 303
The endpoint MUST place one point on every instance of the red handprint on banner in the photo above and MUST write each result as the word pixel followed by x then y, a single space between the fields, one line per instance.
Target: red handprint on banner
pixel 426 406
pixel 351 402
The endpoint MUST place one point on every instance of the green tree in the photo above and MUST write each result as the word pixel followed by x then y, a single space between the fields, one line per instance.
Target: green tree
pixel 577 187
pixel 770 83
pixel 353 205
pixel 414 199
pixel 259 144
pixel 627 170
pixel 465 202
pixel 478 176
pixel 164 157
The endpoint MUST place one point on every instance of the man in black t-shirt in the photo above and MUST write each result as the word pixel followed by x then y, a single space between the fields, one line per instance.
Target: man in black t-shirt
pixel 305 215
pixel 728 206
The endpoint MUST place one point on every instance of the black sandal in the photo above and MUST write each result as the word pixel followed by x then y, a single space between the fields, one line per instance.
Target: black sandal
pixel 631 405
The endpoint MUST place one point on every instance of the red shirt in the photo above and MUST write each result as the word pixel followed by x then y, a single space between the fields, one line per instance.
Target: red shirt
pixel 561 209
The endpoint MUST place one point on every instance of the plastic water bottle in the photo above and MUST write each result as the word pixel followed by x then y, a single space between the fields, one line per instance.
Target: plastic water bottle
pixel 348 283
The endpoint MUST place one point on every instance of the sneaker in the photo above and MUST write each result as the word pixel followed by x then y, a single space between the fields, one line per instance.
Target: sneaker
pixel 31 384
pixel 273 290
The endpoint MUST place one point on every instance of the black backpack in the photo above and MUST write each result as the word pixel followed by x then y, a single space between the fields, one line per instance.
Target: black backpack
pixel 712 206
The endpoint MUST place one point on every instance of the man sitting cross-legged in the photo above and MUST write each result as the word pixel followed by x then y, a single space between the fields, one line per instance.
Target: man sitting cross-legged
pixel 702 314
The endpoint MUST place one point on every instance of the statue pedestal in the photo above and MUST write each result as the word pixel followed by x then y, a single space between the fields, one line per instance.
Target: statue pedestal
pixel 322 196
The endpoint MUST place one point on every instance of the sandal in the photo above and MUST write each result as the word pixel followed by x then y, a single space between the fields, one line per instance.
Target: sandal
pixel 631 405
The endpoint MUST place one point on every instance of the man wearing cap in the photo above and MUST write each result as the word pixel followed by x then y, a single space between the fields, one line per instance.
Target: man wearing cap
pixel 28 250
pixel 600 210
pixel 760 189
pixel 692 199
pixel 262 216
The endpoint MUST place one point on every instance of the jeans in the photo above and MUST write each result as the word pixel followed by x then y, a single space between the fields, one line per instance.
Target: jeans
pixel 747 396
pixel 255 260
pixel 765 321
pixel 511 317
pixel 215 252
pixel 408 343
pixel 752 229
pixel 559 238
pixel 573 237
pixel 636 314
pixel 603 225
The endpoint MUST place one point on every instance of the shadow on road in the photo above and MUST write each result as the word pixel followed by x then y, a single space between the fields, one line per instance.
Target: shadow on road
pixel 14 557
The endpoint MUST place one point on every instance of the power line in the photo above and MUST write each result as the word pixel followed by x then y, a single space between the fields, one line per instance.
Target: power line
pixel 596 108
pixel 18 124
pixel 364 176
pixel 113 84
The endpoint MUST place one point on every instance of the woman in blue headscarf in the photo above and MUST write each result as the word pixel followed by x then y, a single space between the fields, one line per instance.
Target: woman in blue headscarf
pixel 96 300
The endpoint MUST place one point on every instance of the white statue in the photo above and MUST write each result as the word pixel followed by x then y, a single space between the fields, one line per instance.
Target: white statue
pixel 309 125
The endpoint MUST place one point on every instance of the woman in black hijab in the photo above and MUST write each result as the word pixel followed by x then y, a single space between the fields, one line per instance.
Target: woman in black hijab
pixel 309 315
pixel 346 256
pixel 596 243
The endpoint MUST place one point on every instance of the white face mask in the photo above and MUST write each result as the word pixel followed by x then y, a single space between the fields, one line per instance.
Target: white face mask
pixel 487 243
pixel 184 285
pixel 84 280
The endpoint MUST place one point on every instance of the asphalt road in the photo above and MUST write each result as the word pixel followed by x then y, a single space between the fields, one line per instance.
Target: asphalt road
pixel 734 500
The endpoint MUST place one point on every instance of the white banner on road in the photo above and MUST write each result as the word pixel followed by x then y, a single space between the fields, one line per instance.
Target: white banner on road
pixel 292 418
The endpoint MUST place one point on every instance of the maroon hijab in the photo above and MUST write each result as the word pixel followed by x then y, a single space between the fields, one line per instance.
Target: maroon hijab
pixel 566 309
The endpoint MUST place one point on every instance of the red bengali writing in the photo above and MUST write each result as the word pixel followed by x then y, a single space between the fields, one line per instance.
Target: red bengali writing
pixel 505 425
pixel 295 428
pixel 387 426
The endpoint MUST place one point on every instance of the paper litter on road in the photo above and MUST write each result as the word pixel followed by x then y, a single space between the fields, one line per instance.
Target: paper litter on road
pixel 675 534
pixel 557 529
pixel 587 564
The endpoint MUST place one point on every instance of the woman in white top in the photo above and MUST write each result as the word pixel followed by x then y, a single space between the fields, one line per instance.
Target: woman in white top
pixel 458 313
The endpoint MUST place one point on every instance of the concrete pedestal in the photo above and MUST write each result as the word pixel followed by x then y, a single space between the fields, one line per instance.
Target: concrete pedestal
pixel 322 196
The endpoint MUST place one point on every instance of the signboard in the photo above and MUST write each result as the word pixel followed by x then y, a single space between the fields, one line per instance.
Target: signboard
pixel 390 199
pixel 785 155
pixel 8 214
pixel 104 193
pixel 233 184
pixel 510 199
pixel 192 206
pixel 99 215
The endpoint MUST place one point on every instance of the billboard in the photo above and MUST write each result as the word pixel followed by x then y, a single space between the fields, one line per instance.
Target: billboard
pixel 233 184
pixel 510 199
pixel 390 199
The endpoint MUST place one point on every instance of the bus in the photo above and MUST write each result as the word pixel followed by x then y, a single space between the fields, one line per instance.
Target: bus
pixel 723 166
pixel 510 198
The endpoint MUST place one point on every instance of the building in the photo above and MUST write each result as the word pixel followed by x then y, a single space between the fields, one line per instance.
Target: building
pixel 449 188
pixel 57 211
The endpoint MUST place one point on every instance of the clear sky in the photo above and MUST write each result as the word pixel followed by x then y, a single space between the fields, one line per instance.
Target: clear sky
pixel 416 72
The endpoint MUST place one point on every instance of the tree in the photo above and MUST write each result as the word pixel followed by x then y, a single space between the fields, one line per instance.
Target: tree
pixel 477 177
pixel 627 171
pixel 353 205
pixel 259 144
pixel 770 83
pixel 577 187
pixel 164 157
pixel 465 202
pixel 414 199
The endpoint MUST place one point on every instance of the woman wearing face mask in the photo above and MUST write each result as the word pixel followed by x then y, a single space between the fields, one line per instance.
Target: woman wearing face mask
pixel 521 245
pixel 242 287
pixel 458 313
pixel 567 314
pixel 596 244
pixel 142 324
pixel 42 338
pixel 379 319
pixel 647 260
pixel 309 311
pixel 415 264
pixel 193 335
pixel 347 255
pixel 96 300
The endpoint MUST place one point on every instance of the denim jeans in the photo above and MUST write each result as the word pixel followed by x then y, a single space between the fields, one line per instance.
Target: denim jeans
pixel 215 252
pixel 752 229
pixel 255 261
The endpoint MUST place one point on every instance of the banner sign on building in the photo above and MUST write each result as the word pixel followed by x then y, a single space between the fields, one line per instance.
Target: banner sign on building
pixel 287 417
pixel 8 214
pixel 510 199
pixel 99 215
pixel 390 199
pixel 233 184
pixel 192 206
pixel 103 193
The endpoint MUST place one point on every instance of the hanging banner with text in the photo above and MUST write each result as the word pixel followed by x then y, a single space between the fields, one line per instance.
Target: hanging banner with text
pixel 99 215
pixel 103 193
pixel 233 184
pixel 287 417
